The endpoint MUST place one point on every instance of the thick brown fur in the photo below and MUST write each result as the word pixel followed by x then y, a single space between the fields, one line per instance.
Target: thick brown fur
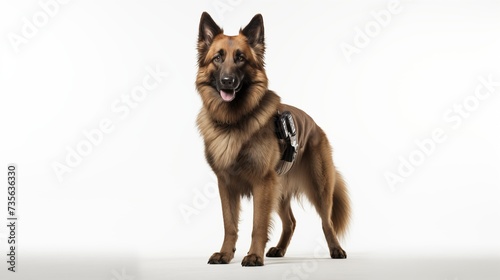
pixel 243 150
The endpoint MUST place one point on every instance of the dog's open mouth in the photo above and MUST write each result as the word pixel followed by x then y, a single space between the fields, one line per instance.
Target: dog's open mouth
pixel 228 95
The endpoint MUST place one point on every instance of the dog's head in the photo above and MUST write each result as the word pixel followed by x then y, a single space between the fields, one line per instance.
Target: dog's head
pixel 230 65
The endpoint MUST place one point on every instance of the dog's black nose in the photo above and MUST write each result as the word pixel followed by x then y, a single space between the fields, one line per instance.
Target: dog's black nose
pixel 227 81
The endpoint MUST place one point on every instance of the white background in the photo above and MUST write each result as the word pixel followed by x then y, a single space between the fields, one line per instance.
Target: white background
pixel 125 196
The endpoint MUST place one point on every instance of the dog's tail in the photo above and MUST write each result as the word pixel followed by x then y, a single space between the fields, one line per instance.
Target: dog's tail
pixel 341 210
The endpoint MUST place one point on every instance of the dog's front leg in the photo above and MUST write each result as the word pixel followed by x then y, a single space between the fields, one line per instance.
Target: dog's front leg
pixel 264 199
pixel 230 212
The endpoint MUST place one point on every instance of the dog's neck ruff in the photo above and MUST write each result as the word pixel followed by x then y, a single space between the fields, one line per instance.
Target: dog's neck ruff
pixel 287 136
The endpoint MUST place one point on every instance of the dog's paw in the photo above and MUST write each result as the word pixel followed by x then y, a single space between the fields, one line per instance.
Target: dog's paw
pixel 338 253
pixel 220 258
pixel 275 252
pixel 252 260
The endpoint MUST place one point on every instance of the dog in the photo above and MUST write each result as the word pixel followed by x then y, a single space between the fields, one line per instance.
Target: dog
pixel 238 123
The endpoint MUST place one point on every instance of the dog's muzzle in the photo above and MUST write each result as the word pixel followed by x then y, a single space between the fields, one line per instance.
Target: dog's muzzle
pixel 229 86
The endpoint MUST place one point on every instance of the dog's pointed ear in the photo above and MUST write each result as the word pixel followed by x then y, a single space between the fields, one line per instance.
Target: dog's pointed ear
pixel 208 29
pixel 254 31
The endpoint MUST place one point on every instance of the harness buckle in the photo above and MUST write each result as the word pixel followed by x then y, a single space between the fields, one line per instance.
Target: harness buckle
pixel 286 131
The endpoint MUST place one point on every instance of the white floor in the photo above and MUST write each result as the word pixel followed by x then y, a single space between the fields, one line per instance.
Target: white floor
pixel 358 266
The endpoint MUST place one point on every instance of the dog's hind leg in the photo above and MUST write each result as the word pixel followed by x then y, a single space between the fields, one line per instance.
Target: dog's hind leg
pixel 323 182
pixel 324 207
pixel 288 221
pixel 336 251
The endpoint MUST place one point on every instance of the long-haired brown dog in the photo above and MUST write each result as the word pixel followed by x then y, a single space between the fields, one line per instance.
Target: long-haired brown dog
pixel 237 122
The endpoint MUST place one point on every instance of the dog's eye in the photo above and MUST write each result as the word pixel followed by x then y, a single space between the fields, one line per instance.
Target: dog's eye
pixel 218 58
pixel 240 58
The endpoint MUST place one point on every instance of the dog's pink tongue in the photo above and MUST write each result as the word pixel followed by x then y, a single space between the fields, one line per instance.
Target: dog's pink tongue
pixel 227 95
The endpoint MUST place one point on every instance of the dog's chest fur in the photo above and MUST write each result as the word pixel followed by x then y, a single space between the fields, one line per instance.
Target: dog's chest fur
pixel 224 143
pixel 249 142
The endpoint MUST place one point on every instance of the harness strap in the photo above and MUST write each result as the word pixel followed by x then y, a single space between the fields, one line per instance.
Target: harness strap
pixel 287 136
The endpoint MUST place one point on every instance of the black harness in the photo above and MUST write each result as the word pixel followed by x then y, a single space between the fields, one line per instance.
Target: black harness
pixel 287 135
